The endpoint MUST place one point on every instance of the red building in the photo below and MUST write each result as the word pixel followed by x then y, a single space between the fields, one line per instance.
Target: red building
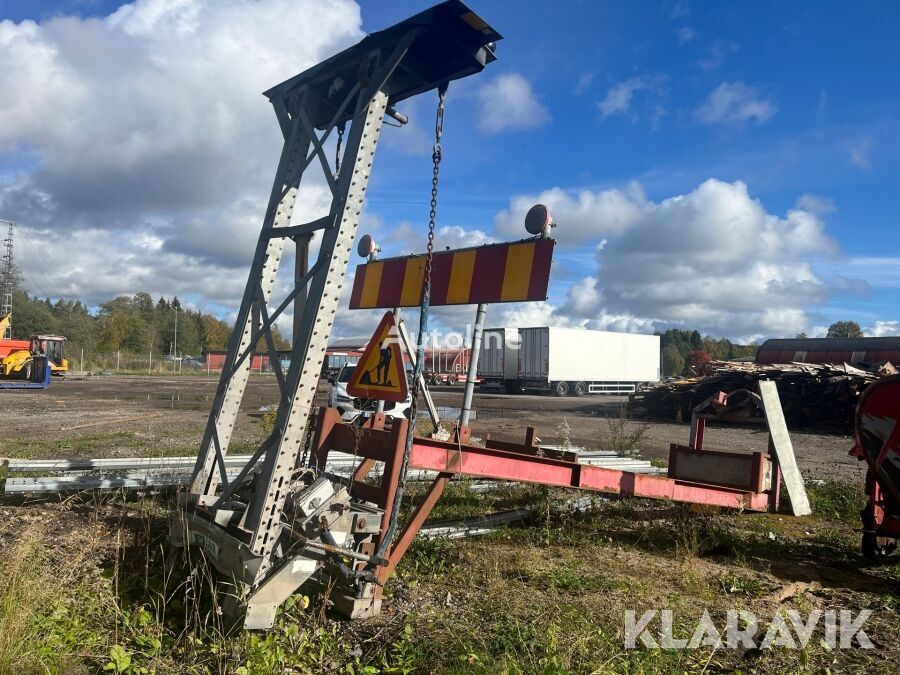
pixel 215 360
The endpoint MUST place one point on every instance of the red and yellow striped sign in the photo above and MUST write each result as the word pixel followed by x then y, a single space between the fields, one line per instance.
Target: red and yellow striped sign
pixel 516 272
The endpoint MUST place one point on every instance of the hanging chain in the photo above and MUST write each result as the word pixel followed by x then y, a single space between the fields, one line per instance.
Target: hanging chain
pixel 436 160
pixel 388 534
pixel 337 150
pixel 436 154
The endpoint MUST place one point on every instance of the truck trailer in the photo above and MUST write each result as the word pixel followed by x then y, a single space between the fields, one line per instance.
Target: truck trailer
pixel 498 364
pixel 570 361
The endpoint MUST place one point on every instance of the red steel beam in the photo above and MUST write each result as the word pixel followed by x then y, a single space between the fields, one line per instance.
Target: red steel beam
pixel 497 464
pixel 503 465
pixel 413 525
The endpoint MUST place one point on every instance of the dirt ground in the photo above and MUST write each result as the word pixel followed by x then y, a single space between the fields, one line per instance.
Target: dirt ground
pixel 158 416
pixel 545 598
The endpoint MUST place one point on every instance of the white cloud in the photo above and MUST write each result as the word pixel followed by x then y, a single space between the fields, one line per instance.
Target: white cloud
pixel 147 126
pixel 404 238
pixel 618 97
pixel 508 103
pixel 883 329
pixel 582 216
pixel 621 98
pixel 859 152
pixel 712 259
pixel 736 103
pixel 816 204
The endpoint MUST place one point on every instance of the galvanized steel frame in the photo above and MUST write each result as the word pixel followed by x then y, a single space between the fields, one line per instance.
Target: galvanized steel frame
pixel 272 465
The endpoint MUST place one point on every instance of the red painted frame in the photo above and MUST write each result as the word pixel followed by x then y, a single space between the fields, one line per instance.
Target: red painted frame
pixel 372 443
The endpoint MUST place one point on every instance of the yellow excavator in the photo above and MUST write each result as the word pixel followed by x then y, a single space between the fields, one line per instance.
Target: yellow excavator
pixel 17 356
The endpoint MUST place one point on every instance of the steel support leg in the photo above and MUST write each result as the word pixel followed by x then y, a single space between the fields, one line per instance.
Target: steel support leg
pixel 263 515
pixel 473 365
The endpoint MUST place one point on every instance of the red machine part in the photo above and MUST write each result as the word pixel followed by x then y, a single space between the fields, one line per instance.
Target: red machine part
pixel 878 444
pixel 507 461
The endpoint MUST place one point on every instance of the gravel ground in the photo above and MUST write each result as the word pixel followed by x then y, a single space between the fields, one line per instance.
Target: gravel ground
pixel 145 416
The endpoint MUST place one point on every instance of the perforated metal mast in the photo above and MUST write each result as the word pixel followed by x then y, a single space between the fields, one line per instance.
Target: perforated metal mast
pixel 353 90
pixel 7 279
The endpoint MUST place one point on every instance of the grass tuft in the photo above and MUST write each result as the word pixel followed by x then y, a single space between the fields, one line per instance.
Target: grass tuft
pixel 26 590
pixel 622 435
pixel 838 500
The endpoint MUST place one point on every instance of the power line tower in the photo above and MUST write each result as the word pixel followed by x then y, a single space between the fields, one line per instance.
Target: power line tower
pixel 7 279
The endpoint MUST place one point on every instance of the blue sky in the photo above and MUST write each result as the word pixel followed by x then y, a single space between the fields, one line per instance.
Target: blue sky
pixel 767 134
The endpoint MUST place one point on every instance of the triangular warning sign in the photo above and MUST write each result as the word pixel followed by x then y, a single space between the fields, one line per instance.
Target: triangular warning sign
pixel 380 373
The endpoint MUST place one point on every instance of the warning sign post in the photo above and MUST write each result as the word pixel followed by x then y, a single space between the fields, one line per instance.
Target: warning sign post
pixel 380 373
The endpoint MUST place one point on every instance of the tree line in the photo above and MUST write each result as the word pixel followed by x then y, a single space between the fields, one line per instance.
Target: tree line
pixel 134 324
pixel 137 324
pixel 684 350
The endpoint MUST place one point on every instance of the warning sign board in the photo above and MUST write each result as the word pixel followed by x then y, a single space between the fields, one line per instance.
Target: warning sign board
pixel 380 373
pixel 518 271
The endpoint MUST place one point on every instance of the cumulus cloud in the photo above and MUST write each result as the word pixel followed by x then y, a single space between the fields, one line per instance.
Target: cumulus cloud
pixel 582 216
pixel 508 103
pixel 406 238
pixel 147 125
pixel 713 259
pixel 735 103
pixel 883 329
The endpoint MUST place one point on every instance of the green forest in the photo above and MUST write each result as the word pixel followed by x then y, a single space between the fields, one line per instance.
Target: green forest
pixel 134 324
pixel 684 349
pixel 139 325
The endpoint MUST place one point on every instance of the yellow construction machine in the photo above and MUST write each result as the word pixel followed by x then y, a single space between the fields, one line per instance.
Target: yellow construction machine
pixel 17 356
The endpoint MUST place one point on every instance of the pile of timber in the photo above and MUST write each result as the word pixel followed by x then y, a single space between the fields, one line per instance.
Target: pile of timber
pixel 813 396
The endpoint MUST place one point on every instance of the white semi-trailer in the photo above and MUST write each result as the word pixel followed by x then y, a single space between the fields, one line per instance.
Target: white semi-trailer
pixel 570 361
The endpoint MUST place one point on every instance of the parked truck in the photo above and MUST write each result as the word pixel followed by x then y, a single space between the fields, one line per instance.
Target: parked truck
pixel 569 361
pixel 498 364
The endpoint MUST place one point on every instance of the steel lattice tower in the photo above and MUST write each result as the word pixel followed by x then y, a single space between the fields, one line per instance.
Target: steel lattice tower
pixel 7 279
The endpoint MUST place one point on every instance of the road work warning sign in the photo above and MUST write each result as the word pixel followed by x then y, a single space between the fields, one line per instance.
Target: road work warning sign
pixel 380 373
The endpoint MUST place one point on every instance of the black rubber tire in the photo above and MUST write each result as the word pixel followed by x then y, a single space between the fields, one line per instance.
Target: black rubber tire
pixel 561 389
pixel 452 380
pixel 581 389
pixel 511 386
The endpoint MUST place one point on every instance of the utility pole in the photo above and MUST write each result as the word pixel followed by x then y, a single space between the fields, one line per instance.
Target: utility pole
pixel 7 279
pixel 176 338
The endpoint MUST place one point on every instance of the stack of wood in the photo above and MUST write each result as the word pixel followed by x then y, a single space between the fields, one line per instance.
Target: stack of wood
pixel 813 396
